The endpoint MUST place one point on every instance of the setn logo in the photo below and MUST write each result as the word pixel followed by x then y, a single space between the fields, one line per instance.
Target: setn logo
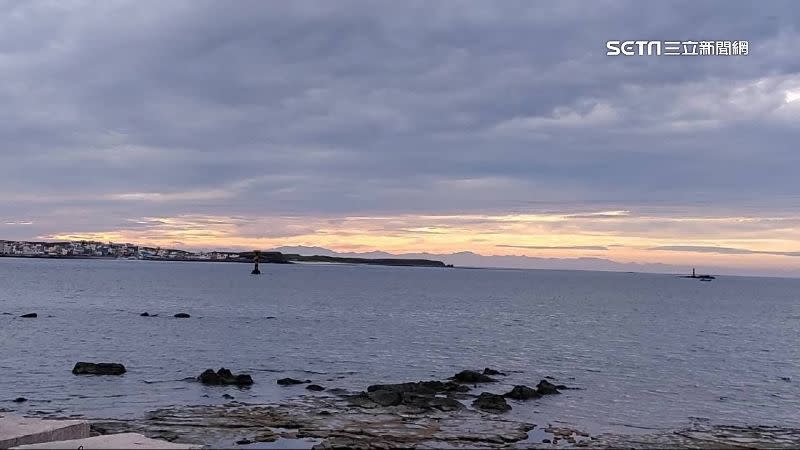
pixel 630 48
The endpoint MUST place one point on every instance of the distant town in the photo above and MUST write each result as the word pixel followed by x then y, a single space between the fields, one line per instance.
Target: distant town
pixel 110 250
pixel 89 249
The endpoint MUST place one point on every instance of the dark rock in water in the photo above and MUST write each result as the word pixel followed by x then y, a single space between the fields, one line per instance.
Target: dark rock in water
pixel 244 442
pixel 224 377
pixel 20 400
pixel 547 388
pixel 421 395
pixel 315 387
pixel 291 381
pixel 786 378
pixel 6 314
pixel 271 317
pixel 29 316
pixel 145 314
pixel 361 400
pixel 87 368
pixel 471 376
pixel 386 398
pixel 491 402
pixel 523 393
pixel 228 396
pixel 488 371
pixel 421 387
pixel 182 316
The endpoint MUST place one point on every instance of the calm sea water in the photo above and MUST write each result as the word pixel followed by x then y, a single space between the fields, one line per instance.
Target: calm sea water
pixel 648 351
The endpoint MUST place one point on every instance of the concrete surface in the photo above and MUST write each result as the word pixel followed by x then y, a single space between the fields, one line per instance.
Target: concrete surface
pixel 16 430
pixel 111 441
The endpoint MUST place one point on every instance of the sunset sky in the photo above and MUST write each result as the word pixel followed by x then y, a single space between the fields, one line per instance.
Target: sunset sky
pixel 500 128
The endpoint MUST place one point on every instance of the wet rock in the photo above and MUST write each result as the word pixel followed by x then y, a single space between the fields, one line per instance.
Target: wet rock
pixel 523 393
pixel 386 397
pixel 182 316
pixel 224 377
pixel 471 376
pixel 421 387
pixel 244 442
pixel 424 395
pixel 786 378
pixel 291 381
pixel 20 400
pixel 87 368
pixel 271 317
pixel 547 388
pixel 145 314
pixel 545 441
pixel 227 396
pixel 29 316
pixel 491 402
pixel 489 371
pixel 315 387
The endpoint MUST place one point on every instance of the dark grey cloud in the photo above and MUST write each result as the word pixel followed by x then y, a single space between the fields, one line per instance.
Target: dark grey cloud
pixel 114 110
pixel 721 250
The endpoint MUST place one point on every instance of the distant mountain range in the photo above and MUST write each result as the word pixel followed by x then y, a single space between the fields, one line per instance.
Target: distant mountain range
pixel 471 259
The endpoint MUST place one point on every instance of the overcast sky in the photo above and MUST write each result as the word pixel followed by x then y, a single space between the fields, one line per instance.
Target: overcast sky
pixel 497 127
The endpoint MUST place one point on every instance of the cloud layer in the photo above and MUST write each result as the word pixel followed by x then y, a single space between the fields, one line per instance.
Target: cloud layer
pixel 292 116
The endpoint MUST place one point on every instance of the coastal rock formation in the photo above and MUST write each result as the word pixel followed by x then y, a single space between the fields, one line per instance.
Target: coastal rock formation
pixel 224 377
pixel 145 314
pixel 87 368
pixel 547 388
pixel 489 371
pixel 182 316
pixel 315 387
pixel 471 376
pixel 291 381
pixel 20 400
pixel 422 395
pixel 523 393
pixel 29 316
pixel 491 402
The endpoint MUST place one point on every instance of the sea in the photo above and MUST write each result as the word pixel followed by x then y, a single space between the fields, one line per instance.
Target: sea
pixel 645 351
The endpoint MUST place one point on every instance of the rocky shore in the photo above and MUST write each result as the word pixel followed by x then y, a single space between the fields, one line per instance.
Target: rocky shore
pixel 457 412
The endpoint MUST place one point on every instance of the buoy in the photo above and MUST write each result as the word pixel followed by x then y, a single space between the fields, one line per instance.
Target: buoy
pixel 255 260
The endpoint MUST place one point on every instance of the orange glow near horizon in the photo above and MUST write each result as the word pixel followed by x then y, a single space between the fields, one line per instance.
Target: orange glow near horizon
pixel 616 235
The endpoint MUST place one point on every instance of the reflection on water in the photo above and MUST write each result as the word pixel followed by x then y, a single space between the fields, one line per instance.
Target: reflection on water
pixel 650 352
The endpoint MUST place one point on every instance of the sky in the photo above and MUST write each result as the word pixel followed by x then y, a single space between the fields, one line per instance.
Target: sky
pixel 500 128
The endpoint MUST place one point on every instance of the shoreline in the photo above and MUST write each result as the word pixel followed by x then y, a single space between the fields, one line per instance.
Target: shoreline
pixel 281 259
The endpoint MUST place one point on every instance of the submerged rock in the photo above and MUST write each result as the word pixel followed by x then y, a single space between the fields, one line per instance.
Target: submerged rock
pixel 523 393
pixel 87 368
pixel 291 381
pixel 182 316
pixel 471 376
pixel 491 402
pixel 20 400
pixel 489 371
pixel 29 316
pixel 224 377
pixel 315 387
pixel 547 388
pixel 145 314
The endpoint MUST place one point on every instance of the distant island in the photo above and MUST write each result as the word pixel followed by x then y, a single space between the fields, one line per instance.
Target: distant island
pixel 110 250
